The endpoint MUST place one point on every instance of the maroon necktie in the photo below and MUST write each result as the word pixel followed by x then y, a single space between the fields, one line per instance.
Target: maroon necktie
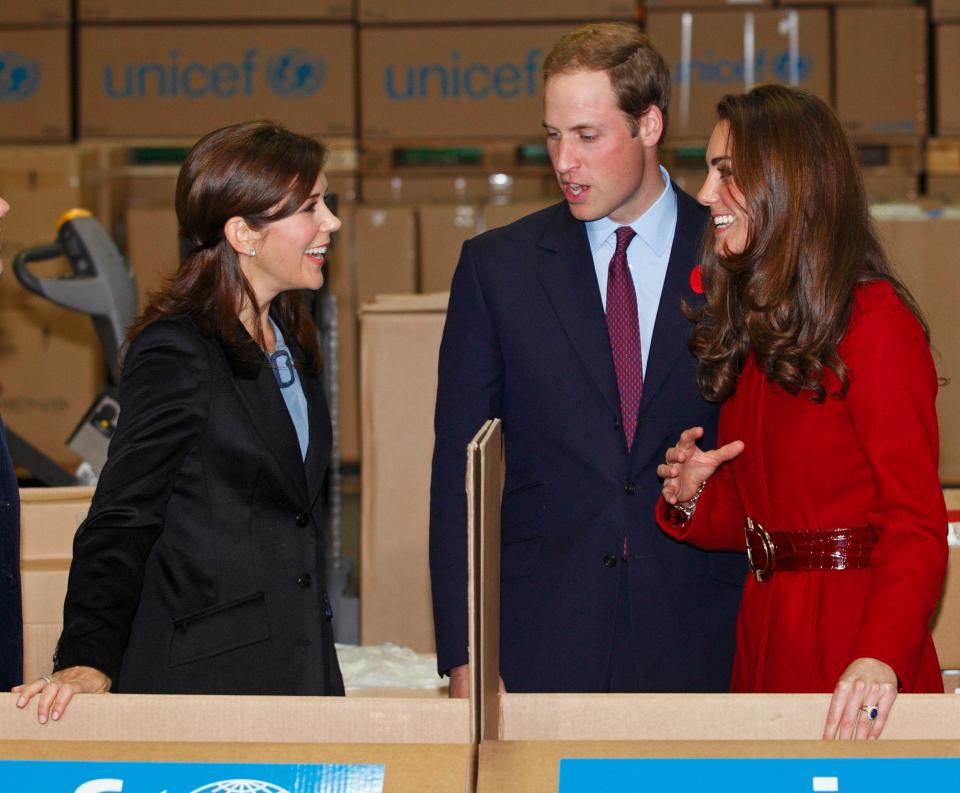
pixel 624 329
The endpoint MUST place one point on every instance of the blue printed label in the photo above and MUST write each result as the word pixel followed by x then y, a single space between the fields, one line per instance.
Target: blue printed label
pixel 460 79
pixel 161 777
pixel 291 74
pixel 817 775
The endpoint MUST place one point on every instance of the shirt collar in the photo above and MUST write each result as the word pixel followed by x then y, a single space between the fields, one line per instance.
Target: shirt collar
pixel 653 226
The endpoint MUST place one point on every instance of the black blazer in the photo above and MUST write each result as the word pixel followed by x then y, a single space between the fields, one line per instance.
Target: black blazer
pixel 526 340
pixel 200 566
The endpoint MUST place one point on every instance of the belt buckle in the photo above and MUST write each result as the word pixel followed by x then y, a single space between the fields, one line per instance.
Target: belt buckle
pixel 761 552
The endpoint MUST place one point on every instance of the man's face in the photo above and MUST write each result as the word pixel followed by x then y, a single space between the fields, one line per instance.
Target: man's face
pixel 599 162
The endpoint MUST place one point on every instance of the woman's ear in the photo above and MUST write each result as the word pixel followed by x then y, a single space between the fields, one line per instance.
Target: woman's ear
pixel 243 239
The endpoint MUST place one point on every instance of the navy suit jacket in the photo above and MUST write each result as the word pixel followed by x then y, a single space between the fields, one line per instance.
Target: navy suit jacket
pixel 11 619
pixel 526 340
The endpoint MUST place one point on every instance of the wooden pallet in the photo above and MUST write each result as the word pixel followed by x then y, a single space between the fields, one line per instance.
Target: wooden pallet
pixel 438 156
pixel 943 156
pixel 134 152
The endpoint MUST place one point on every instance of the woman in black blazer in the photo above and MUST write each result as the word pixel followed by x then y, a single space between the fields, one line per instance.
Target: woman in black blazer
pixel 200 567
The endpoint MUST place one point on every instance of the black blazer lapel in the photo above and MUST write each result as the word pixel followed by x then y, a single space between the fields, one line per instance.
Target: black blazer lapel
pixel 672 329
pixel 568 278
pixel 260 395
pixel 321 434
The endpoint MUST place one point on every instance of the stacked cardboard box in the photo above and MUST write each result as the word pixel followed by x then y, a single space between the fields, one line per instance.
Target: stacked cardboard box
pixel 51 366
pixel 35 75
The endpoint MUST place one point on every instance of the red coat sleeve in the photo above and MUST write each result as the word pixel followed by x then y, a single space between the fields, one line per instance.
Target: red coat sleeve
pixel 891 404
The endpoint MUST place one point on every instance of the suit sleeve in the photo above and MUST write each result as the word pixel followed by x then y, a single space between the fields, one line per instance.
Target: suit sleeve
pixel 164 397
pixel 891 404
pixel 469 391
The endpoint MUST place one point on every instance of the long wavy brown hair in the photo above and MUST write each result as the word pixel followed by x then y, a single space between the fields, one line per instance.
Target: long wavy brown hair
pixel 261 172
pixel 788 295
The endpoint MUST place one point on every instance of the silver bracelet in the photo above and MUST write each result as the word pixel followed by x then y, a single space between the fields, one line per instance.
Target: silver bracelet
pixel 689 506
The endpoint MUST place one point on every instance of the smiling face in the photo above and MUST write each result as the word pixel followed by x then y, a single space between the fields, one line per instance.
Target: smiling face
pixel 723 197
pixel 605 162
pixel 4 208
pixel 290 252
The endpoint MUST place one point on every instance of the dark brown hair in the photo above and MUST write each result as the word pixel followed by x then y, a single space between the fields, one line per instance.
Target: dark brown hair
pixel 788 295
pixel 637 72
pixel 261 172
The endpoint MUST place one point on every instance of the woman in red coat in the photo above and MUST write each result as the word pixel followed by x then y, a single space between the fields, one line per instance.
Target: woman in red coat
pixel 828 446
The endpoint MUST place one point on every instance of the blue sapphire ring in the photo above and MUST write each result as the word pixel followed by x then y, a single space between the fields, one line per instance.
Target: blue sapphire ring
pixel 872 711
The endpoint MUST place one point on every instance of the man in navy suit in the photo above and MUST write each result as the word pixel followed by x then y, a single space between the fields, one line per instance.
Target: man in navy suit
pixel 542 331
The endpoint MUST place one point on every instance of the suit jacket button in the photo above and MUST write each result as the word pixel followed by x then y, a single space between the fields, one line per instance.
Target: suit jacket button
pixel 609 561
pixel 302 519
pixel 304 581
pixel 616 424
pixel 629 488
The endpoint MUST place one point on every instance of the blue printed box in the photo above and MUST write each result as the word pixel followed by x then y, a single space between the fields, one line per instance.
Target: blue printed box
pixel 187 80
pixel 454 82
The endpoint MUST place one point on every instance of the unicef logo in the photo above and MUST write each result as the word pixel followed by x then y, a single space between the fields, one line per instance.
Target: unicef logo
pixel 19 77
pixel 241 786
pixel 296 73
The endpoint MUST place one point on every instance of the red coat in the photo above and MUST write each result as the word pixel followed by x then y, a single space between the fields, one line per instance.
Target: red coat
pixel 869 459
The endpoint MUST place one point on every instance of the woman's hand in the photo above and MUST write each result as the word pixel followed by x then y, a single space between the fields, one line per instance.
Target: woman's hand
pixel 864 685
pixel 57 690
pixel 686 467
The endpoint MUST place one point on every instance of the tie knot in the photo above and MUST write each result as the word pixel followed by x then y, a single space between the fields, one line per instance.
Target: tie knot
pixel 624 235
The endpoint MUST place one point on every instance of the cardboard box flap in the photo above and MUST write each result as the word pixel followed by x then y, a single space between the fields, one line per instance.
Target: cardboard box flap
pixel 705 717
pixel 242 719
pixel 484 494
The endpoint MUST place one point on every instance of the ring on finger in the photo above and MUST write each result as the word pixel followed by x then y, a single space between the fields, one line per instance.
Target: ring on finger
pixel 872 711
pixel 46 678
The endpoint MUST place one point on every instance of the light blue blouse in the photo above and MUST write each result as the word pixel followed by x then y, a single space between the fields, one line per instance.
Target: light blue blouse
pixel 281 362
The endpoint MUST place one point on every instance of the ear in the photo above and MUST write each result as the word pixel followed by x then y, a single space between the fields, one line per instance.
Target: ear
pixel 241 237
pixel 651 126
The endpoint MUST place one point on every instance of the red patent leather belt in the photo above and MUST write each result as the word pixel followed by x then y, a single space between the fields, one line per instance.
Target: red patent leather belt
pixel 829 549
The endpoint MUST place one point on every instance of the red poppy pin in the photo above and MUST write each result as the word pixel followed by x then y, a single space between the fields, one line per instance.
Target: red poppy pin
pixel 696 284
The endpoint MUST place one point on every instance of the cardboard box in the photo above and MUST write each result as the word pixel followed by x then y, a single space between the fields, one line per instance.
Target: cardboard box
pixel 946 636
pixel 948 79
pixel 400 187
pixel 212 11
pixel 51 370
pixel 41 184
pixel 718 64
pixel 881 70
pixel 951 681
pixel 443 229
pixel 390 11
pixel 153 247
pixel 49 518
pixel 633 725
pixel 399 347
pixel 385 245
pixel 945 10
pixel 923 250
pixel 35 82
pixel 35 12
pixel 181 80
pixel 688 5
pixel 944 187
pixel 884 188
pixel 502 214
pixel 534 766
pixel 453 82
pixel 341 275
